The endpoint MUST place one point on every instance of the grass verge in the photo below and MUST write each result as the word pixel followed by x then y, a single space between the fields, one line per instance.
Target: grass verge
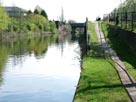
pixel 122 49
pixel 99 80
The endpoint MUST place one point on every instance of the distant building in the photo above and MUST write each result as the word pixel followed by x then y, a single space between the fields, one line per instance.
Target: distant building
pixel 15 11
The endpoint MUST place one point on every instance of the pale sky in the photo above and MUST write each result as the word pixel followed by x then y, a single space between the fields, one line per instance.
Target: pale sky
pixel 73 9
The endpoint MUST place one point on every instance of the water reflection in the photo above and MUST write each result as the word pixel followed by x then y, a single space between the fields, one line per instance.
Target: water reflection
pixel 3 59
pixel 39 69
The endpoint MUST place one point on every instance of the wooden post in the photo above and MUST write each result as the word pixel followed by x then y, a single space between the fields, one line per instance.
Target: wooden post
pixel 114 17
pixel 126 19
pixel 86 24
pixel 87 37
pixel 121 19
pixel 132 21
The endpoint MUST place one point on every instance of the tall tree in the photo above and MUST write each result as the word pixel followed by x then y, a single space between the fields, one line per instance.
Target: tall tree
pixel 36 11
pixel 29 12
pixel 43 13
pixel 62 19
pixel 39 9
pixel 4 19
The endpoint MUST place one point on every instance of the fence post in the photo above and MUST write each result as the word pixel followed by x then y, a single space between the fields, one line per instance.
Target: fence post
pixel 126 19
pixel 121 19
pixel 114 17
pixel 132 20
pixel 109 18
pixel 86 34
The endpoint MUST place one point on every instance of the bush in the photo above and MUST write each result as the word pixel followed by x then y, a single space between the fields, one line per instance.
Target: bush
pixel 4 19
pixel 52 27
pixel 31 23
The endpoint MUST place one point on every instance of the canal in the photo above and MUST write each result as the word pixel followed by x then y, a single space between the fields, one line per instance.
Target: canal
pixel 39 69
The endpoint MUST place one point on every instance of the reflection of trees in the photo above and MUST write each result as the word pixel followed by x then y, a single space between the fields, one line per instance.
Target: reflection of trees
pixel 3 59
pixel 36 45
pixel 18 48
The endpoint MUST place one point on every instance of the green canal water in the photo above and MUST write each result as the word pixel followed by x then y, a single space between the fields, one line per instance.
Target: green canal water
pixel 39 69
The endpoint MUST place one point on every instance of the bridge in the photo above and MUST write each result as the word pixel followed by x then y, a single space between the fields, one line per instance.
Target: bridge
pixel 84 26
pixel 80 25
pixel 74 26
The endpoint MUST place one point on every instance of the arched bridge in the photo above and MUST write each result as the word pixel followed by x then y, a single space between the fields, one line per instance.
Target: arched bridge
pixel 74 26
pixel 80 25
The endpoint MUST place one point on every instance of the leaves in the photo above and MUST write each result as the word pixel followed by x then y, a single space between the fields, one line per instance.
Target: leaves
pixel 43 13
pixel 4 19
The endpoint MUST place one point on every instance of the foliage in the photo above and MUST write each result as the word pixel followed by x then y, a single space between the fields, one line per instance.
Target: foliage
pixel 13 25
pixel 4 19
pixel 126 13
pixel 29 12
pixel 38 21
pixel 38 8
pixel 128 5
pixel 122 49
pixel 52 27
pixel 36 11
pixel 31 23
pixel 43 13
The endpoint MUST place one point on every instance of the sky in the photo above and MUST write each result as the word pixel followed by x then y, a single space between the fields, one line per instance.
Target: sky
pixel 76 10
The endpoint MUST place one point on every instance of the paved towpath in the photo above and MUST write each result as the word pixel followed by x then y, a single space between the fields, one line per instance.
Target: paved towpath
pixel 126 79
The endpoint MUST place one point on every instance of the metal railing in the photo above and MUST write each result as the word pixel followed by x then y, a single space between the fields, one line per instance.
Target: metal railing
pixel 126 20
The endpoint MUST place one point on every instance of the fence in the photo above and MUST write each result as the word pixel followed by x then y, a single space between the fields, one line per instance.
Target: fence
pixel 127 20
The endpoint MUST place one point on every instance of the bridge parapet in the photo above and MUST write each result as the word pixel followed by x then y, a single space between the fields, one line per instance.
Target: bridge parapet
pixel 79 25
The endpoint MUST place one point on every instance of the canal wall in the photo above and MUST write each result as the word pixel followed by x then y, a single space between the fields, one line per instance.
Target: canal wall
pixel 125 36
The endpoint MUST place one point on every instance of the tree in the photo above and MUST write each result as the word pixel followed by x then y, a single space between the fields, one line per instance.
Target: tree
pixel 39 9
pixel 43 13
pixel 62 19
pixel 36 11
pixel 52 27
pixel 4 19
pixel 29 12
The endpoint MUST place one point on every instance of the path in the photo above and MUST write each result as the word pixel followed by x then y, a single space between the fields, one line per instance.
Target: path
pixel 126 79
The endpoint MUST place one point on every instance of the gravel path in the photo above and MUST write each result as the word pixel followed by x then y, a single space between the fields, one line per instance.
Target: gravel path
pixel 126 79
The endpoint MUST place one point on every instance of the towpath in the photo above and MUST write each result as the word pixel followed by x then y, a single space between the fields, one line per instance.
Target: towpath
pixel 128 82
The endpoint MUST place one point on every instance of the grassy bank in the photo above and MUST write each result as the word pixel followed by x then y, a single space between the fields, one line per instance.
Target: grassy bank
pixel 99 80
pixel 122 49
